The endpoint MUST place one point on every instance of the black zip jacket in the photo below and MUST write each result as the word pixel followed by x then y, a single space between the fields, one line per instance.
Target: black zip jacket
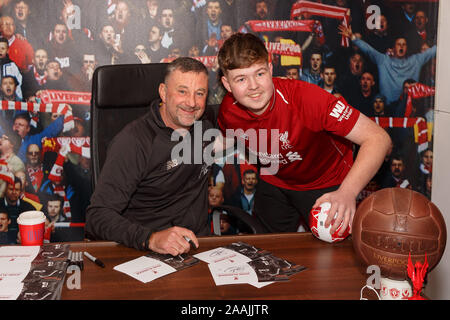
pixel 141 190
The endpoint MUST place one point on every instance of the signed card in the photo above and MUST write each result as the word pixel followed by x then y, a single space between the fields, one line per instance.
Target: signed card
pixel 145 269
pixel 24 254
pixel 247 250
pixel 10 291
pixel 222 255
pixel 13 272
pixel 180 262
pixel 224 274
pixel 232 274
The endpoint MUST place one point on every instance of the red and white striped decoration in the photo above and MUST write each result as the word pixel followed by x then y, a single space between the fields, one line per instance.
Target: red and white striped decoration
pixel 322 10
pixel 69 224
pixel 280 25
pixel 421 123
pixel 417 91
pixel 5 174
pixel 61 108
pixel 78 145
pixel 55 173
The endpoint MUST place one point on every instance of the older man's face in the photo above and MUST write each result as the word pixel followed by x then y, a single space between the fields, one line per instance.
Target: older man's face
pixel 7 27
pixel 21 126
pixel 183 98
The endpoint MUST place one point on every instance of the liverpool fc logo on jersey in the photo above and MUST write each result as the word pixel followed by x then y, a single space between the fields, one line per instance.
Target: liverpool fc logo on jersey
pixel 284 141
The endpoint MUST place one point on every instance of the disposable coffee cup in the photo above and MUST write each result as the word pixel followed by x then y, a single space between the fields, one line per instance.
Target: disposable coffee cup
pixel 395 289
pixel 31 228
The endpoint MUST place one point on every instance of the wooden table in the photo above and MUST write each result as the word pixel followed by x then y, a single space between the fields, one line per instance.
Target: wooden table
pixel 333 272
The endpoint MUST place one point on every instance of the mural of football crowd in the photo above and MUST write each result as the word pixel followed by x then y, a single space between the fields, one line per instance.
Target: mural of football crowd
pixel 379 55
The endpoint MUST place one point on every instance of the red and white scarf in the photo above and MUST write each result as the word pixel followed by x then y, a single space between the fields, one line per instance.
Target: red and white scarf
pixel 40 79
pixel 323 10
pixel 78 145
pixel 425 169
pixel 420 124
pixel 110 6
pixel 61 108
pixel 64 145
pixel 280 25
pixel 5 173
pixel 417 91
pixel 284 49
pixel 61 96
pixel 36 176
pixel 56 171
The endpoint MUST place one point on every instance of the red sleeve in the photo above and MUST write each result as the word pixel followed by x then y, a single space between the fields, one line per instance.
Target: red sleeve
pixel 323 111
pixel 341 117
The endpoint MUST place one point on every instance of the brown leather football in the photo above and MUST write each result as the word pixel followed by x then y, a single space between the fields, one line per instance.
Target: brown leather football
pixel 391 223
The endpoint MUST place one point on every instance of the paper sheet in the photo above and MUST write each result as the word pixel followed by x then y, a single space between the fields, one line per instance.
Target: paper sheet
pixel 145 269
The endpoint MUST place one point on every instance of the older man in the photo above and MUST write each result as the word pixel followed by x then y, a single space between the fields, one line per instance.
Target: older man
pixel 144 198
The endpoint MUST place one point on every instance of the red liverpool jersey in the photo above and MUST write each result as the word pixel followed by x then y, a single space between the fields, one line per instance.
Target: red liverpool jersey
pixel 303 137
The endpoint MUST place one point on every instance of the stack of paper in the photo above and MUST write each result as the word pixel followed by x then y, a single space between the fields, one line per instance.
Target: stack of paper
pixel 240 262
pixel 32 272
pixel 155 265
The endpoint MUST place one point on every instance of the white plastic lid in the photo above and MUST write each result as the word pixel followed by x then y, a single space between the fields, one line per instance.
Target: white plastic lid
pixel 31 217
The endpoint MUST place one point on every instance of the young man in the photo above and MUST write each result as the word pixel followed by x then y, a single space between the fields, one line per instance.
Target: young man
pixel 314 160
pixel 143 198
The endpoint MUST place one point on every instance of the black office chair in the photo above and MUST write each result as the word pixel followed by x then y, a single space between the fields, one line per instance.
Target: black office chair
pixel 122 93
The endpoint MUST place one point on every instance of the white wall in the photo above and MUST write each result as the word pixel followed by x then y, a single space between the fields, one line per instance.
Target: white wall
pixel 438 286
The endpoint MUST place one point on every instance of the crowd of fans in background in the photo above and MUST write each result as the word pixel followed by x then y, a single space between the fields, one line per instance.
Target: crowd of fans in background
pixel 57 44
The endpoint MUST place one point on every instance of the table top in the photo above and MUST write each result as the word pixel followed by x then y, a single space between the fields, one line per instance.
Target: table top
pixel 333 272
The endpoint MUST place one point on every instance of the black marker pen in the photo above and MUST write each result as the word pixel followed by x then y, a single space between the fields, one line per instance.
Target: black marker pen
pixel 94 259
pixel 190 242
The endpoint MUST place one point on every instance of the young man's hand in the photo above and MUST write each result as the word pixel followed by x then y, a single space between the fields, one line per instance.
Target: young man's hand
pixel 343 205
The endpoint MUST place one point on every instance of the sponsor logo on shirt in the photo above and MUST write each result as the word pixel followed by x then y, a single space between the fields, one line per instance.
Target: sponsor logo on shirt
pixel 341 111
pixel 172 164
pixel 293 156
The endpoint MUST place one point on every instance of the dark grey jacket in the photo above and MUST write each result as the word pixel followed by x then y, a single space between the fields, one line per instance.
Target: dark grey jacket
pixel 141 191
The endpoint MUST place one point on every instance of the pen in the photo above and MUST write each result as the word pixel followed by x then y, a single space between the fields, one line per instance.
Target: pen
pixel 190 242
pixel 94 259
pixel 81 261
